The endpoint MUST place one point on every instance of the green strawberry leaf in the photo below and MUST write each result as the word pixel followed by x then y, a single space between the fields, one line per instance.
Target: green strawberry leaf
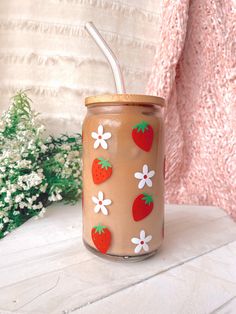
pixel 147 198
pixel 99 228
pixel 104 163
pixel 142 126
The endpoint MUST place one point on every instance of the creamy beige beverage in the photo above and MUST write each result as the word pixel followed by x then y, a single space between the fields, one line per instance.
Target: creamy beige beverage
pixel 123 183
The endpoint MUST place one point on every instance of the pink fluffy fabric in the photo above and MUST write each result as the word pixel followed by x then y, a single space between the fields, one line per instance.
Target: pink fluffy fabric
pixel 194 70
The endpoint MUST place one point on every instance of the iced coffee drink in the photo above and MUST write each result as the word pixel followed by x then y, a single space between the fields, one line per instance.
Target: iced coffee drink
pixel 123 181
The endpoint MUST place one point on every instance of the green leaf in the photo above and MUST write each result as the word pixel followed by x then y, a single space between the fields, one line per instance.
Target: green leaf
pixel 142 126
pixel 147 198
pixel 104 163
pixel 99 228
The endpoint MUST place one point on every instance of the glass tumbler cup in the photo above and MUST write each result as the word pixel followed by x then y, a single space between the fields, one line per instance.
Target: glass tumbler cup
pixel 123 175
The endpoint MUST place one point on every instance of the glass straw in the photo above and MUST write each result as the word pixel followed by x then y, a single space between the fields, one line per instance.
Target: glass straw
pixel 118 77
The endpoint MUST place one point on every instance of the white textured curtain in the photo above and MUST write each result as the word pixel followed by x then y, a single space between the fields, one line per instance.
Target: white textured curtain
pixel 45 49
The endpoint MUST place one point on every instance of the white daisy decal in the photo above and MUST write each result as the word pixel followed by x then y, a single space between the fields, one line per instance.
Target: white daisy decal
pixel 141 242
pixel 101 203
pixel 100 137
pixel 144 177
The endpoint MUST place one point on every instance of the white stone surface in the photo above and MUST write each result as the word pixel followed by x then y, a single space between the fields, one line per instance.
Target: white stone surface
pixel 44 268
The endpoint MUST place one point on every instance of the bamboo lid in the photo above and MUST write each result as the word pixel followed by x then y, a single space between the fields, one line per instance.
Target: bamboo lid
pixel 127 99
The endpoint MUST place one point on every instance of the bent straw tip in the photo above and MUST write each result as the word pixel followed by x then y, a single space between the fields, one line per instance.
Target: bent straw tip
pixel 102 44
pixel 88 24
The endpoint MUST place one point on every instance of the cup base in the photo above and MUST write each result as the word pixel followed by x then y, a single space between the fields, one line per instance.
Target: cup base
pixel 119 258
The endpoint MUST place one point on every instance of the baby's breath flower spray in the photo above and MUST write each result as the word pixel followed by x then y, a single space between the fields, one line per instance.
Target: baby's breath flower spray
pixel 34 171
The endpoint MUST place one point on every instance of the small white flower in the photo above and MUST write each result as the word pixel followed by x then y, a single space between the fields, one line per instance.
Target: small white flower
pixel 19 198
pixel 41 129
pixel 5 219
pixel 141 242
pixel 43 188
pixel 12 189
pixel 42 212
pixel 65 147
pixel 37 206
pixel 101 203
pixel 7 199
pixel 144 177
pixel 29 180
pixel 52 198
pixel 56 196
pixel 22 205
pixel 30 202
pixel 23 163
pixel 100 138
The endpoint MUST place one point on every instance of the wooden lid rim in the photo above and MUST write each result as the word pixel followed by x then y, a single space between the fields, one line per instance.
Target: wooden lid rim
pixel 125 99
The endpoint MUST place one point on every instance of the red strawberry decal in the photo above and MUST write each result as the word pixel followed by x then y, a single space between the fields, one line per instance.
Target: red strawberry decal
pixel 143 135
pixel 142 206
pixel 101 238
pixel 101 170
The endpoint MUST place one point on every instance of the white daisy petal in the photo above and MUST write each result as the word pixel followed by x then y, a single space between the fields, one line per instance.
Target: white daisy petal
pixel 100 129
pixel 94 135
pixel 100 196
pixel 145 169
pixel 149 182
pixel 96 144
pixel 95 200
pixel 107 202
pixel 97 208
pixel 104 210
pixel 104 144
pixel 106 135
pixel 138 175
pixel 138 248
pixel 151 173
pixel 145 247
pixel 141 184
pixel 135 240
pixel 142 242
pixel 142 235
pixel 148 238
